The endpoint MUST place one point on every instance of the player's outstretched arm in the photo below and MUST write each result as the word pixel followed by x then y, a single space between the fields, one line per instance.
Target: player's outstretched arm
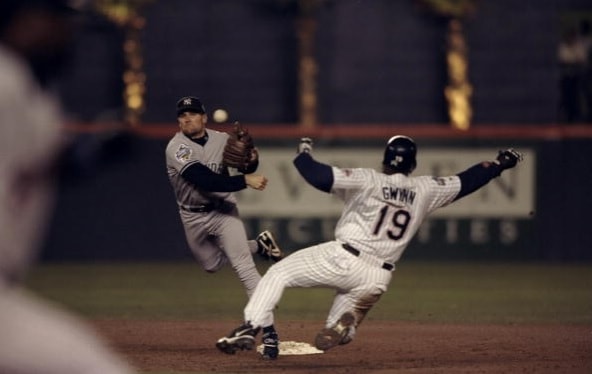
pixel 317 174
pixel 205 179
pixel 479 175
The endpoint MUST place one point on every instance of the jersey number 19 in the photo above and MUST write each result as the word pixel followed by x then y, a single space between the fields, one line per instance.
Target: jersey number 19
pixel 398 224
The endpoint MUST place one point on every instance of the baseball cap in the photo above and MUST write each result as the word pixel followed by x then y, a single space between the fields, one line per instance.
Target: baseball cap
pixel 190 104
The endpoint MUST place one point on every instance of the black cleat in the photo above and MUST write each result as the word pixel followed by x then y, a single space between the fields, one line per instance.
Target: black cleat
pixel 241 338
pixel 270 345
pixel 268 247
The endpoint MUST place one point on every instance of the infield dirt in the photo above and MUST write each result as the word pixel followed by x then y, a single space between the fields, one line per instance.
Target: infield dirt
pixel 379 347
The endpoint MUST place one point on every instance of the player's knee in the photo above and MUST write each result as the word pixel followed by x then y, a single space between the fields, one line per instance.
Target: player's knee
pixel 214 263
pixel 213 267
pixel 277 277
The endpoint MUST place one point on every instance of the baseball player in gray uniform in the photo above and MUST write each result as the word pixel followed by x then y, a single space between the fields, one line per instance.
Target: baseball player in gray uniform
pixel 381 214
pixel 204 190
pixel 36 337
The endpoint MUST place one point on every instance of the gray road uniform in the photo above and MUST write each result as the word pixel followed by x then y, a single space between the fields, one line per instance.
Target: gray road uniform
pixel 207 206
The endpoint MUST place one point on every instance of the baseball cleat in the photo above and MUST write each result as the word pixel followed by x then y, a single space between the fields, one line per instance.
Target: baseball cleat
pixel 268 247
pixel 270 345
pixel 241 338
pixel 336 335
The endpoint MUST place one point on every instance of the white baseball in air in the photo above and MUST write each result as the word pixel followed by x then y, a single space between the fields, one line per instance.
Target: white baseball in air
pixel 220 115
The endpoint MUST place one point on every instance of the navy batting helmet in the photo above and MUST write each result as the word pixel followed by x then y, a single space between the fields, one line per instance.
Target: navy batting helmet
pixel 399 154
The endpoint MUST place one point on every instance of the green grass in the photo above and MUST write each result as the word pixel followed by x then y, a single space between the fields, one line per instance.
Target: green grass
pixel 489 293
pixel 420 291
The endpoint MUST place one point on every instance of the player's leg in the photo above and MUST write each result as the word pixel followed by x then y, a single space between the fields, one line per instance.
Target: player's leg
pixel 253 246
pixel 202 245
pixel 261 304
pixel 316 266
pixel 322 265
pixel 296 270
pixel 351 305
pixel 347 313
pixel 41 339
pixel 259 314
pixel 231 238
pixel 243 337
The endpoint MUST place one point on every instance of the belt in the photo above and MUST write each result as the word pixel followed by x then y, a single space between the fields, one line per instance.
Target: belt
pixel 356 252
pixel 205 208
pixel 199 208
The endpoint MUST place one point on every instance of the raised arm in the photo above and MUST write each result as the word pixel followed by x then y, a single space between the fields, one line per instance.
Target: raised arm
pixel 317 174
pixel 479 175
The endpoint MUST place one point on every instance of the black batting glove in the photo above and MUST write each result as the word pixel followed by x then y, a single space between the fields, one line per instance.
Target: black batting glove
pixel 508 158
pixel 305 145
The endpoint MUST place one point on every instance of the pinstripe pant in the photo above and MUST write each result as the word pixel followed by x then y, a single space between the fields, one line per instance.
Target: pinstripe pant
pixel 358 282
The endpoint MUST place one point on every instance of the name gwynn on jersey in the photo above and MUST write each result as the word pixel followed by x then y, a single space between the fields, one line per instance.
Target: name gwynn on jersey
pixel 403 195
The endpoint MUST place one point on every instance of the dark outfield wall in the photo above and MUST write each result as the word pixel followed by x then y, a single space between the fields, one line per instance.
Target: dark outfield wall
pixel 128 212
pixel 379 61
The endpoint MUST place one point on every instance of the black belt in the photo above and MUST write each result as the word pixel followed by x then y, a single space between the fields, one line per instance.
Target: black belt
pixel 200 208
pixel 205 208
pixel 356 252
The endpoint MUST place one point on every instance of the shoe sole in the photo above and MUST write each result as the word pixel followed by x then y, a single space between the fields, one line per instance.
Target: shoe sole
pixel 231 345
pixel 268 240
pixel 329 338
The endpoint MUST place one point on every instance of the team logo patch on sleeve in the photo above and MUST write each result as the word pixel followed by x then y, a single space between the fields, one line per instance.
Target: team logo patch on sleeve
pixel 440 181
pixel 183 153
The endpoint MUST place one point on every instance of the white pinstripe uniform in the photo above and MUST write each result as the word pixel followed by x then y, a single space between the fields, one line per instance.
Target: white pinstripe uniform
pixel 35 337
pixel 380 216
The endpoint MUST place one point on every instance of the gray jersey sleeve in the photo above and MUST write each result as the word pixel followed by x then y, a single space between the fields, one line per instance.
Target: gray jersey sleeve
pixel 181 153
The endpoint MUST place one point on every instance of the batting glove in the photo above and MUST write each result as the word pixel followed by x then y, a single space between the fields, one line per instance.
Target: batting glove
pixel 508 158
pixel 305 145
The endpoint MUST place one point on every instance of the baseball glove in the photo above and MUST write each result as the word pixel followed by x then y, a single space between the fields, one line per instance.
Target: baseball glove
pixel 508 158
pixel 239 152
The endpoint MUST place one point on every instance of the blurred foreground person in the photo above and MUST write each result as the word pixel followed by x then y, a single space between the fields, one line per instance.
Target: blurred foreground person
pixel 381 214
pixel 35 336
